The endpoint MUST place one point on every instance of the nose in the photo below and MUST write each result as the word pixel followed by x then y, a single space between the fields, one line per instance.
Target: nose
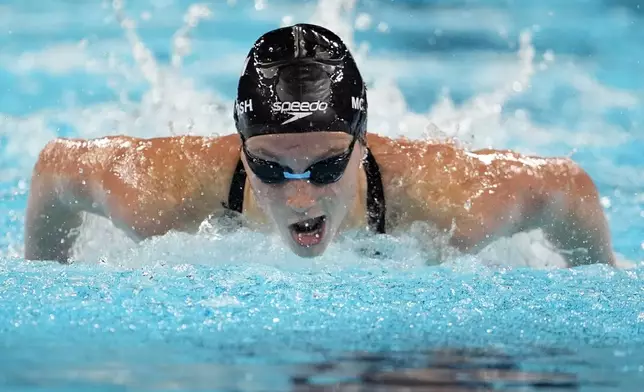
pixel 300 195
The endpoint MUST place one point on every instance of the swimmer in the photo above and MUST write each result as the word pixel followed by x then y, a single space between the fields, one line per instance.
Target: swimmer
pixel 302 164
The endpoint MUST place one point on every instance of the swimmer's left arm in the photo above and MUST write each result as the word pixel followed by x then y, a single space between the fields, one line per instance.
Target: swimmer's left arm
pixel 573 219
pixel 560 198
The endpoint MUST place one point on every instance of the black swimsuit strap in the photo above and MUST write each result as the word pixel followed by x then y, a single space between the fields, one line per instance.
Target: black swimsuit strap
pixel 375 193
pixel 236 192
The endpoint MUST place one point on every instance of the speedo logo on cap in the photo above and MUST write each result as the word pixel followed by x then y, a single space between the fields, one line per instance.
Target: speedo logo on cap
pixel 298 109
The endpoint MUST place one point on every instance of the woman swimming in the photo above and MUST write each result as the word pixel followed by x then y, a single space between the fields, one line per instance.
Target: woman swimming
pixel 302 164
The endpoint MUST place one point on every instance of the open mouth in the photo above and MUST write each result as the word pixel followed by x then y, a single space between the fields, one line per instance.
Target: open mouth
pixel 309 232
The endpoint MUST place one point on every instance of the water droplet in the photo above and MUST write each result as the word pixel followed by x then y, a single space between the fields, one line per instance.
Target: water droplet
pixel 605 202
pixel 517 87
pixel 363 21
pixel 287 20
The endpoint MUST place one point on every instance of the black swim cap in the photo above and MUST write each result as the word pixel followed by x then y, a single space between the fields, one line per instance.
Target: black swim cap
pixel 300 78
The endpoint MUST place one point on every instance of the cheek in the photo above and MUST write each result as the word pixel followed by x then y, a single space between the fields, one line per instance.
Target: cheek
pixel 344 190
pixel 265 194
pixel 349 181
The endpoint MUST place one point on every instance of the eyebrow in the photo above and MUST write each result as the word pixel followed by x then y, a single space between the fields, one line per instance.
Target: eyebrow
pixel 262 152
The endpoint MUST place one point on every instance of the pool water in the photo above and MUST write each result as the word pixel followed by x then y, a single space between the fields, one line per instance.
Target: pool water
pixel 236 311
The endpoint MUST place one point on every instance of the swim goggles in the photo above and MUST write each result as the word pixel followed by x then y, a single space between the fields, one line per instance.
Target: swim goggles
pixel 326 171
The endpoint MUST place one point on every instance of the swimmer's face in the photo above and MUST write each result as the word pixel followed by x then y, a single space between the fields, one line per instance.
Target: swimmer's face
pixel 307 213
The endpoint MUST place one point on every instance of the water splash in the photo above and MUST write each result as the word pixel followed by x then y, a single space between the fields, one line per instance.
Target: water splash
pixel 181 44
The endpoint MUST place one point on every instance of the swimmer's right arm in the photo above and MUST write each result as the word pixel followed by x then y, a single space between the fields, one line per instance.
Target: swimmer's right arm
pixel 59 192
pixel 146 187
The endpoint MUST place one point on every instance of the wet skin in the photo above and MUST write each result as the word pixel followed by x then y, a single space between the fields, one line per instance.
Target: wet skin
pixel 148 187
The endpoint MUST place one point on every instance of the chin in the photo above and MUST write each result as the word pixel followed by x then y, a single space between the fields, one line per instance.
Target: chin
pixel 308 251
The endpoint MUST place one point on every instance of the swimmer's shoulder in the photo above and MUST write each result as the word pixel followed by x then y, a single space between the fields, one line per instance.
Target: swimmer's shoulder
pixel 419 177
pixel 513 163
pixel 404 160
pixel 412 149
pixel 448 160
pixel 181 167
pixel 105 150
pixel 174 168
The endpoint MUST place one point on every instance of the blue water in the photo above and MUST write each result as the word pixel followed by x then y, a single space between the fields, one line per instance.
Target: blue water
pixel 236 311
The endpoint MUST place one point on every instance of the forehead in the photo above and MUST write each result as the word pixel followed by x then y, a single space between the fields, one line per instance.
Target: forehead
pixel 315 143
